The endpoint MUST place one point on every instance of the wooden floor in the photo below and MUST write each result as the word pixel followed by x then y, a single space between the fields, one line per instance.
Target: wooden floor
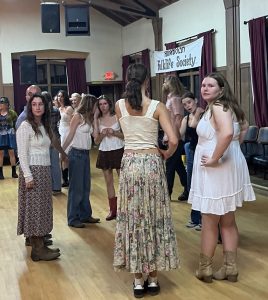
pixel 84 270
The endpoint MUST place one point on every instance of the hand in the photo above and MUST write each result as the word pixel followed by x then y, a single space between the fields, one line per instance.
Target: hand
pixel 104 131
pixel 208 161
pixel 64 157
pixel 199 111
pixel 110 131
pixel 30 185
pixel 164 153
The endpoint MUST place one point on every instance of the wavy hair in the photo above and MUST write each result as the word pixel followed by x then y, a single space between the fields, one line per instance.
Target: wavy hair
pixel 66 100
pixel 86 107
pixel 173 86
pixel 45 119
pixel 136 75
pixel 226 97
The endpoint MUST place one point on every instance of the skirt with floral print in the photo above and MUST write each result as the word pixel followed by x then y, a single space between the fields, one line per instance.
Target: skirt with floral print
pixel 35 210
pixel 145 238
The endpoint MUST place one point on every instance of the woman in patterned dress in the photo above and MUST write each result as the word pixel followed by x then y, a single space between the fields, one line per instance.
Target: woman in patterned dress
pixel 145 239
pixel 35 216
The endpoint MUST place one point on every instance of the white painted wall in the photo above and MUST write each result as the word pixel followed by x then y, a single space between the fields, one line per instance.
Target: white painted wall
pixel 186 18
pixel 20 31
pixel 139 36
pixel 249 9
pixel 180 20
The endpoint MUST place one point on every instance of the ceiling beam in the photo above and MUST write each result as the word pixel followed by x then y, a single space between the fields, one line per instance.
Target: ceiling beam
pixel 135 7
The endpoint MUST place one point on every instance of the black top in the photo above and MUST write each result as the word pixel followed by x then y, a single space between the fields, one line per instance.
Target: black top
pixel 191 135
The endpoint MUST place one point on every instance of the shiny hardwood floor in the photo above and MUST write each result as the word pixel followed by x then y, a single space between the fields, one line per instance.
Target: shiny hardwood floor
pixel 84 270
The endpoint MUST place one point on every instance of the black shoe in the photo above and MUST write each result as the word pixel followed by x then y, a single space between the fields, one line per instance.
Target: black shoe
pixel 77 225
pixel 183 196
pixel 153 288
pixel 91 220
pixel 65 184
pixel 139 290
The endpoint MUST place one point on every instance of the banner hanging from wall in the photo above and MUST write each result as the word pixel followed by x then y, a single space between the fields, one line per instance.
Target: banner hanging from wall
pixel 180 58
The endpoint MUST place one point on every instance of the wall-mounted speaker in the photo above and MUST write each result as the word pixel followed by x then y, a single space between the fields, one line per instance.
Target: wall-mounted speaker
pixel 77 20
pixel 28 69
pixel 50 17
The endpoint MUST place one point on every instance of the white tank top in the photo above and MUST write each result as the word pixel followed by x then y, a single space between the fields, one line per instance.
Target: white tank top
pixel 140 132
pixel 82 137
pixel 112 142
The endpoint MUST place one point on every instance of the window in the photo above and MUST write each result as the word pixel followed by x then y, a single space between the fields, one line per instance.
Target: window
pixel 51 76
pixel 190 80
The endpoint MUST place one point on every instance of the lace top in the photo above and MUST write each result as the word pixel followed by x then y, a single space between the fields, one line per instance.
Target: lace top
pixel 32 150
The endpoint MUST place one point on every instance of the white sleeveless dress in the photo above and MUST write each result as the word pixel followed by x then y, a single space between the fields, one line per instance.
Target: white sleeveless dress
pixel 219 190
pixel 64 127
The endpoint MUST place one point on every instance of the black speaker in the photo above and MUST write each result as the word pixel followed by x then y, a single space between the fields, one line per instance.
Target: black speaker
pixel 77 20
pixel 28 69
pixel 50 16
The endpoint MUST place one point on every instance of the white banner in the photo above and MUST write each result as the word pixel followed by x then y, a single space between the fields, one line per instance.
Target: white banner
pixel 181 58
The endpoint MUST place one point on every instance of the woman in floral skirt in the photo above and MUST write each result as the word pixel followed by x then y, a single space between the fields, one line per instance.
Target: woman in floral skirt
pixel 145 240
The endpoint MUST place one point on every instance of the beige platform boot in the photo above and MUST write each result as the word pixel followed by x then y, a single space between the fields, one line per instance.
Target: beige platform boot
pixel 229 269
pixel 205 268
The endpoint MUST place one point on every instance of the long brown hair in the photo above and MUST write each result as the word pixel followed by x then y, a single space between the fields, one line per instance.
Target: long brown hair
pixel 136 75
pixel 226 97
pixel 45 119
pixel 172 86
pixel 110 103
pixel 86 107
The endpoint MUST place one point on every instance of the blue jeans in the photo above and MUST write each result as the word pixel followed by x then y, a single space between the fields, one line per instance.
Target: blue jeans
pixel 55 169
pixel 195 214
pixel 78 207
pixel 175 164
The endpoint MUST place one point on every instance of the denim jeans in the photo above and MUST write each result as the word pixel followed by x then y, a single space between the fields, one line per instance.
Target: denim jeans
pixel 195 214
pixel 78 207
pixel 175 164
pixel 55 169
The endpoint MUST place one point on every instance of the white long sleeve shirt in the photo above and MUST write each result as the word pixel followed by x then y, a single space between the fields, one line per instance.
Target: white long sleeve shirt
pixel 33 150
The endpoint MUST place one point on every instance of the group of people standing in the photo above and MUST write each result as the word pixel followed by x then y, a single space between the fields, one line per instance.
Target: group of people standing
pixel 145 239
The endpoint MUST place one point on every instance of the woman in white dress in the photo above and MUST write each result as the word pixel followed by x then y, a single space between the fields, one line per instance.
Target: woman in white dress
pixel 66 113
pixel 220 180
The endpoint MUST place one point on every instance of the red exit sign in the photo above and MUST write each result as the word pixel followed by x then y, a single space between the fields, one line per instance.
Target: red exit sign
pixel 109 75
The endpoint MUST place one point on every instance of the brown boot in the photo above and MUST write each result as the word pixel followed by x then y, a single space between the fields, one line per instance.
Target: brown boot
pixel 205 268
pixel 39 251
pixel 113 208
pixel 229 269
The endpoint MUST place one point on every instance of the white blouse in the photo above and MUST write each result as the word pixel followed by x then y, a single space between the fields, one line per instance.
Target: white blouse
pixel 33 150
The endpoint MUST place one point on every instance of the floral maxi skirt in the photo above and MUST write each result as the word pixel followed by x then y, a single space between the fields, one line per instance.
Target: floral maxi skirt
pixel 145 238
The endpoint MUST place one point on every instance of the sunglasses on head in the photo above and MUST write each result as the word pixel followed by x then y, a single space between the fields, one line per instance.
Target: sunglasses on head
pixel 102 97
pixel 3 101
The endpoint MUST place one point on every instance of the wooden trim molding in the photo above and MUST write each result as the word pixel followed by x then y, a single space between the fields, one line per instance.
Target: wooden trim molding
pixel 232 21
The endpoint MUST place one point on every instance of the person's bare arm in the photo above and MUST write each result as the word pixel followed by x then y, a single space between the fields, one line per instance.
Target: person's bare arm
pixel 76 120
pixel 223 124
pixel 183 128
pixel 164 119
pixel 243 131
pixel 196 118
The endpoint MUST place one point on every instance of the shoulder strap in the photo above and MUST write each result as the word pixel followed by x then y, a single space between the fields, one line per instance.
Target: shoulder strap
pixel 122 107
pixel 151 109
